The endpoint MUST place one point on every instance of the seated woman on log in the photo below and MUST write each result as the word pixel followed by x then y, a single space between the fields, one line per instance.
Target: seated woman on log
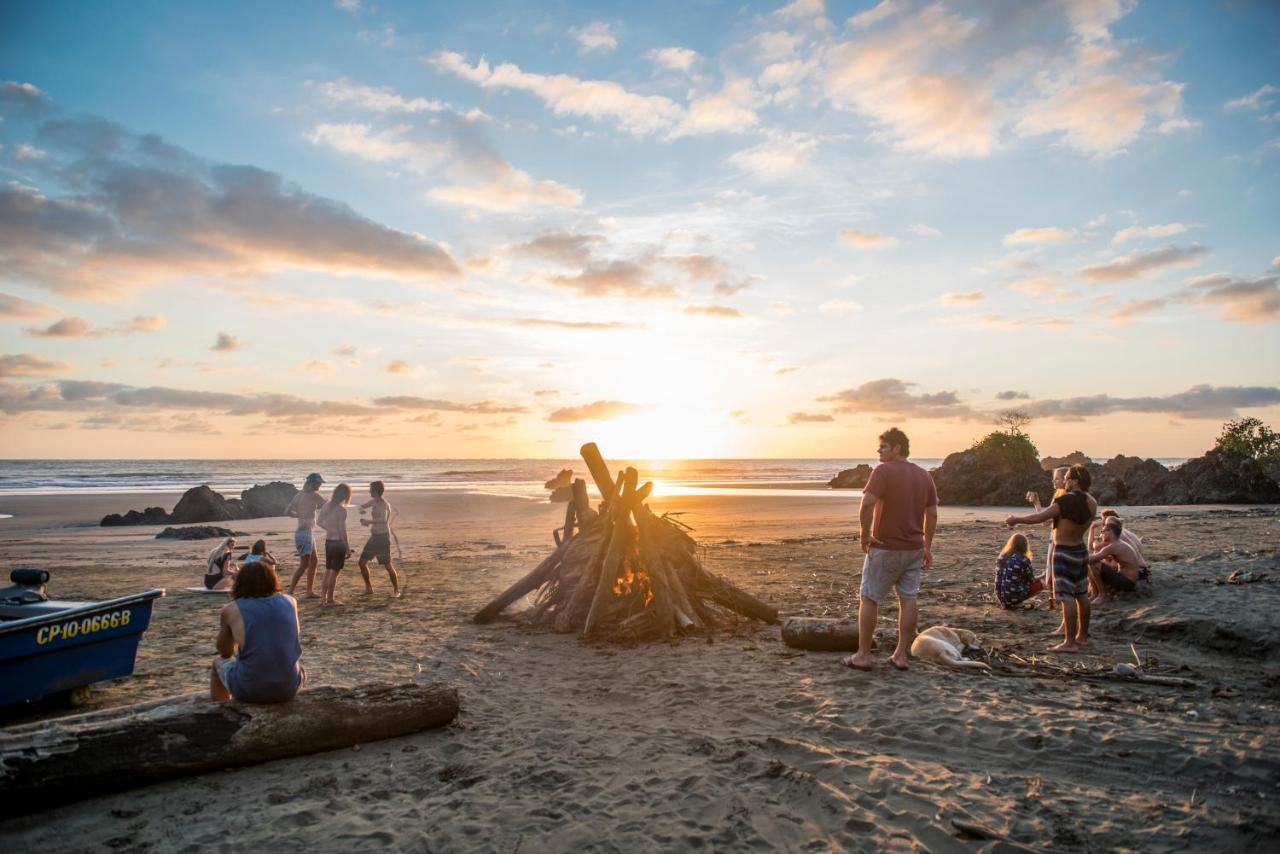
pixel 220 570
pixel 259 653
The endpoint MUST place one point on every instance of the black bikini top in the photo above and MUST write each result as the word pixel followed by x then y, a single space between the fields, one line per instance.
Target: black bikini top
pixel 1074 507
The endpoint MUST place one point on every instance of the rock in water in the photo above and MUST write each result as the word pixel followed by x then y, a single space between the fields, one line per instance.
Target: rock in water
pixel 1071 459
pixel 1218 478
pixel 201 504
pixel 854 478
pixel 560 481
pixel 562 495
pixel 997 472
pixel 150 516
pixel 1130 480
pixel 269 499
pixel 198 532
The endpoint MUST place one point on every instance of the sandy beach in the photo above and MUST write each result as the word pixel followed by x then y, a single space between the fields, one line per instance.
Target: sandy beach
pixel 727 743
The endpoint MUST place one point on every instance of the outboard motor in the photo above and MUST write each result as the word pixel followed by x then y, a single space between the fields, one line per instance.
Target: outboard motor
pixel 28 587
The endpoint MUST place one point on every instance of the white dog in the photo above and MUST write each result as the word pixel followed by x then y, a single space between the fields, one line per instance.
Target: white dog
pixel 945 645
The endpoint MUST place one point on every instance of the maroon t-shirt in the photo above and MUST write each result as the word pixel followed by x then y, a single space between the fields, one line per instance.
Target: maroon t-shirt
pixel 905 491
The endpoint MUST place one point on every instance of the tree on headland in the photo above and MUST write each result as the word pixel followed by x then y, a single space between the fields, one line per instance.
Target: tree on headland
pixel 1249 438
pixel 1013 420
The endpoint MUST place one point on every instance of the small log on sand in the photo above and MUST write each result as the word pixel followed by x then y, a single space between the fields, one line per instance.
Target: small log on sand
pixel 83 756
pixel 821 634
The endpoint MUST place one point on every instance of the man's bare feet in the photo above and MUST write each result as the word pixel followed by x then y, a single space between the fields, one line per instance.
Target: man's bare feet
pixel 1060 631
pixel 899 663
pixel 395 594
pixel 857 662
pixel 368 592
pixel 333 603
pixel 1065 646
pixel 310 595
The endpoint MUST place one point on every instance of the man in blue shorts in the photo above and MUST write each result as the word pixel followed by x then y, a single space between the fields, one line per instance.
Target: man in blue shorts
pixel 304 506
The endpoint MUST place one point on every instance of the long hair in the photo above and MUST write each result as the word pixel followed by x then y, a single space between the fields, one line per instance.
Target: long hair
pixel 223 549
pixel 1060 473
pixel 1080 475
pixel 341 495
pixel 256 581
pixel 1017 543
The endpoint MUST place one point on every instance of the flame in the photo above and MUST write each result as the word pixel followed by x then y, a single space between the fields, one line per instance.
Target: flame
pixel 632 581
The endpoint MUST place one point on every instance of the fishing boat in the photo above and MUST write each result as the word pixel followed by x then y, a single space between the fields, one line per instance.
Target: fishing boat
pixel 50 647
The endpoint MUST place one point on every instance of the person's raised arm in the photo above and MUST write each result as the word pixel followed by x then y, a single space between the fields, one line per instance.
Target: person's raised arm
pixel 1105 551
pixel 1050 512
pixel 866 515
pixel 226 642
pixel 930 525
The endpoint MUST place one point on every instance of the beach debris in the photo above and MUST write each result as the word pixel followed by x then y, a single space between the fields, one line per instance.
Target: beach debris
pixel 821 634
pixel 622 572
pixel 1245 576
pixel 198 532
pixel 46 764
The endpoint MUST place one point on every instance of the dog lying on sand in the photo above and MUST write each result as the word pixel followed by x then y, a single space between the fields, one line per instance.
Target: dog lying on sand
pixel 945 645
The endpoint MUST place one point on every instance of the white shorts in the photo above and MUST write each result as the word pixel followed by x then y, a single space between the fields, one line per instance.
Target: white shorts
pixel 885 569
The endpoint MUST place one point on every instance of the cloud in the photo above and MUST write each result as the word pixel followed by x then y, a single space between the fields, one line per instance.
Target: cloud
pixel 22 99
pixel 673 58
pixel 1012 395
pixel 145 211
pixel 622 278
pixel 866 239
pixel 713 311
pixel 1255 100
pixel 1133 309
pixel 378 99
pixel 1241 300
pixel 507 192
pixel 351 6
pixel 840 306
pixel 809 418
pixel 1200 401
pixel 1135 232
pixel 893 397
pixel 1037 236
pixel 881 11
pixel 318 366
pixel 601 410
pixel 782 372
pixel 12 307
pixel 595 36
pixel 546 392
pixel 226 343
pixel 1144 263
pixel 1043 289
pixel 778 157
pixel 578 325
pixel 344 350
pixel 966 298
pixel 1103 113
pixel 706 267
pixel 563 247
pixel 75 327
pixel 922 230
pixel 397 366
pixel 26 152
pixel 893 78
pixel 729 110
pixel 567 95
pixel 29 365
pixel 386 146
pixel 409 402
pixel 728 289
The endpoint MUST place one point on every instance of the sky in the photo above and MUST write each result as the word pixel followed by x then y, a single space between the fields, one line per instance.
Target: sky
pixel 376 229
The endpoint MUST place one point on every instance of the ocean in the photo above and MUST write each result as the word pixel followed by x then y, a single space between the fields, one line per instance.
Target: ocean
pixel 512 477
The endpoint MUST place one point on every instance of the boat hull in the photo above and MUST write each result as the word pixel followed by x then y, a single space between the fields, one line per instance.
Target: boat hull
pixel 66 645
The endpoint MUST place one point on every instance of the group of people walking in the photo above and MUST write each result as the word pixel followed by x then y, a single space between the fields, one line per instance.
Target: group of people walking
pixel 1090 557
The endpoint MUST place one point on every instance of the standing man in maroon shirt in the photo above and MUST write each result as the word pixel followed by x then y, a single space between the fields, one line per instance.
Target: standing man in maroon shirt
pixel 899 514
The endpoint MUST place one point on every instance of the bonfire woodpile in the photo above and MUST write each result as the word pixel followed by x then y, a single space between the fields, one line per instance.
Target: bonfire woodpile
pixel 624 573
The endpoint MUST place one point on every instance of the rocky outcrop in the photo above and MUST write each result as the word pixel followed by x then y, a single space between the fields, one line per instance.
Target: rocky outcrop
pixel 268 499
pixel 199 532
pixel 854 478
pixel 1130 480
pixel 202 504
pixel 150 516
pixel 562 495
pixel 563 479
pixel 997 472
pixel 1218 478
pixel 1071 459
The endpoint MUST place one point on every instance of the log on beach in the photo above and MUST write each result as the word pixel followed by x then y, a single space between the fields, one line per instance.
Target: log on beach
pixel 55 762
pixel 820 634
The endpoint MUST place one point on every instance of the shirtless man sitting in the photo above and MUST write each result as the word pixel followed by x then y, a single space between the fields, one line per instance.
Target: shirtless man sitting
pixel 1124 575
pixel 1127 536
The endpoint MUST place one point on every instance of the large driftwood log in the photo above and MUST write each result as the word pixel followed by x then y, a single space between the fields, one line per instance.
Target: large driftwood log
pixel 570 619
pixel 822 634
pixel 599 471
pixel 525 585
pixel 55 762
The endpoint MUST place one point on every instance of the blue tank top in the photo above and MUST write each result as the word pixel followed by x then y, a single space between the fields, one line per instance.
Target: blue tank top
pixel 267 668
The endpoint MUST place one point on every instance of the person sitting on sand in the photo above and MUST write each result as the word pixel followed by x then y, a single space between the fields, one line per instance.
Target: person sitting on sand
pixel 1127 536
pixel 258 553
pixel 1123 575
pixel 337 548
pixel 1071 513
pixel 379 544
pixel 259 654
pixel 304 506
pixel 220 571
pixel 1015 576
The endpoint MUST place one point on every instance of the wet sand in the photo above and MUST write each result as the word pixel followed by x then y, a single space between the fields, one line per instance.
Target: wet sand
pixel 729 742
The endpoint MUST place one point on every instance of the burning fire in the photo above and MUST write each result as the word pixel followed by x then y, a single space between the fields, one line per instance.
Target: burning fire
pixel 630 581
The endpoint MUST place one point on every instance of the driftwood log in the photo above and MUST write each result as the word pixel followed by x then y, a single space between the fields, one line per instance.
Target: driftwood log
pixel 817 633
pixel 83 756
pixel 624 572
